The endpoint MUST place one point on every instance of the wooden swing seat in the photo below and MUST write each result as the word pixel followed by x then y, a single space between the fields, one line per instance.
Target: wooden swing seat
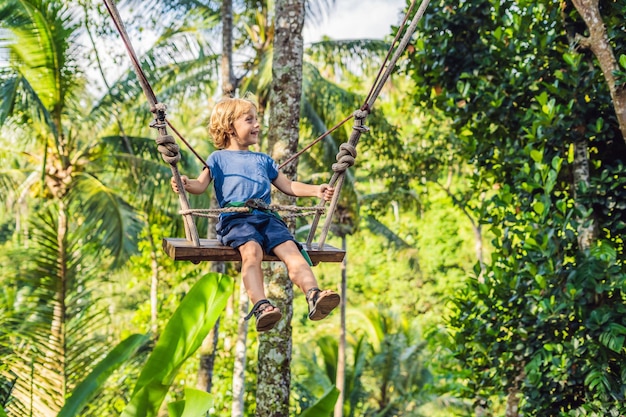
pixel 181 249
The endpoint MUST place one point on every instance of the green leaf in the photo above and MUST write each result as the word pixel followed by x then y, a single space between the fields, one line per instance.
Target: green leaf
pixel 196 403
pixel 324 406
pixel 182 336
pixel 570 153
pixel 539 208
pixel 622 61
pixel 536 155
pixel 541 281
pixel 91 385
pixel 569 58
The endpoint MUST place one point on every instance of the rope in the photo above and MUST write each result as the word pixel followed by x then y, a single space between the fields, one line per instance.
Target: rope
pixel 366 105
pixel 310 145
pixel 359 119
pixel 170 152
pixel 293 211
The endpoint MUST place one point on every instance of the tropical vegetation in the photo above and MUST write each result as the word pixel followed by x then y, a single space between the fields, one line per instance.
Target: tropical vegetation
pixel 483 220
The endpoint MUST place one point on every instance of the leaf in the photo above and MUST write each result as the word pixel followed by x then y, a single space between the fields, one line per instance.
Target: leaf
pixel 536 155
pixel 324 406
pixel 196 403
pixel 541 281
pixel 182 336
pixel 93 383
pixel 569 58
pixel 570 153
pixel 622 61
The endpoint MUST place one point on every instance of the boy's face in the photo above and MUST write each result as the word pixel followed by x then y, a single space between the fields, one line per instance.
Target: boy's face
pixel 246 130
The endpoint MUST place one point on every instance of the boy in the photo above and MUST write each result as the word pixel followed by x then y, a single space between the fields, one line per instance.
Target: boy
pixel 241 176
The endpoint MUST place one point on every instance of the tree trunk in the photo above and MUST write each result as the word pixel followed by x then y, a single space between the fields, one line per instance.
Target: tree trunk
pixel 274 376
pixel 55 361
pixel 226 63
pixel 204 379
pixel 208 350
pixel 340 380
pixel 598 43
pixel 154 288
pixel 239 366
pixel 587 228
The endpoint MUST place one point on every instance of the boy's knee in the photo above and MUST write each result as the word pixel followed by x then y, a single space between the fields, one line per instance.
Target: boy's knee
pixel 298 266
pixel 251 251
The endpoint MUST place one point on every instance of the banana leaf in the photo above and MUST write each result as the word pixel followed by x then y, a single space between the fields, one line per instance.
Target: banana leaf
pixel 93 383
pixel 324 406
pixel 196 403
pixel 182 336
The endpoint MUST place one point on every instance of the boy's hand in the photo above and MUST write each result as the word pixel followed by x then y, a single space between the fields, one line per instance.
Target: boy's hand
pixel 326 192
pixel 183 179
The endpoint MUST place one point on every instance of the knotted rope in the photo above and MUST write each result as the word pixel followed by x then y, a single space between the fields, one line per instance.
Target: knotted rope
pixel 345 158
pixel 169 151
pixel 361 114
pixel 287 212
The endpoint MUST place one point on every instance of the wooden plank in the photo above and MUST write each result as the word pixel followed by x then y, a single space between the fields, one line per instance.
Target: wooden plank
pixel 181 249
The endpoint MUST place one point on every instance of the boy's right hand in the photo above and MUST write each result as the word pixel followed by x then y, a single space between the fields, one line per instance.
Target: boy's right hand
pixel 183 179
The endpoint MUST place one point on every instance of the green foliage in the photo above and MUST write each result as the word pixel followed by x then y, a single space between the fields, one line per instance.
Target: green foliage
pixel 386 368
pixel 542 323
pixel 196 403
pixel 89 387
pixel 324 406
pixel 182 336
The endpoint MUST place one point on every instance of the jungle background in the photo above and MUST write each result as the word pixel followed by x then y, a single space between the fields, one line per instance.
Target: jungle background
pixel 483 220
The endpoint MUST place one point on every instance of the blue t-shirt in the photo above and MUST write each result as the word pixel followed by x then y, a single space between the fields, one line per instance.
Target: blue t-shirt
pixel 241 175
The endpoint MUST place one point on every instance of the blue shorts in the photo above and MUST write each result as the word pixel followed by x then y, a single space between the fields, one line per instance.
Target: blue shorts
pixel 264 228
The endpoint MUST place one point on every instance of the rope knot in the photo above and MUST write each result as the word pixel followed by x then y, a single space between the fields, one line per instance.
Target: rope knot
pixel 170 151
pixel 359 118
pixel 360 114
pixel 159 112
pixel 345 157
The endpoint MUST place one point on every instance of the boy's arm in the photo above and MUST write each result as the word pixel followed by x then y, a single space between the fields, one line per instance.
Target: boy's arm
pixel 194 186
pixel 300 189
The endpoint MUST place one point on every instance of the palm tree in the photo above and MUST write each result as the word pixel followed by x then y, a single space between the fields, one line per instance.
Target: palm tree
pixel 78 226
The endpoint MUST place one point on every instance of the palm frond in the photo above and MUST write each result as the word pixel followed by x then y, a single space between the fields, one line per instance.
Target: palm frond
pixel 22 103
pixel 55 343
pixel 113 222
pixel 42 47
pixel 360 58
pixel 317 10
pixel 178 68
pixel 380 229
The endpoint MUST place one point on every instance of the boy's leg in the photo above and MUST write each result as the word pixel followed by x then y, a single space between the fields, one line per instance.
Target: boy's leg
pixel 252 276
pixel 299 270
pixel 321 303
pixel 251 272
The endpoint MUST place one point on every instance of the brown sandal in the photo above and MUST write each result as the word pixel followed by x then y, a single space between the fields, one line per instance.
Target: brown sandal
pixel 265 320
pixel 321 303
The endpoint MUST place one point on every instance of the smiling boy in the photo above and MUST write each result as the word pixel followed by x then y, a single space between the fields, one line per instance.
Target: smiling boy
pixel 244 177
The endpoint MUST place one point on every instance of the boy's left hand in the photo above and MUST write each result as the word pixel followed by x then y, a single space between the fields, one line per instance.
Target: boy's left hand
pixel 326 192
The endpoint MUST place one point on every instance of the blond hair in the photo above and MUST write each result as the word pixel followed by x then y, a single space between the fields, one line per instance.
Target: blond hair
pixel 224 114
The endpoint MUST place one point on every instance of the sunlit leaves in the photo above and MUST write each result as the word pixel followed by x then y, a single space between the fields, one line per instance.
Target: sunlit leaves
pixel 524 100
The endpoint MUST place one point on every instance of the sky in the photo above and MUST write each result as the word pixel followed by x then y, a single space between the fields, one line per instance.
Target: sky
pixel 354 19
pixel 358 19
